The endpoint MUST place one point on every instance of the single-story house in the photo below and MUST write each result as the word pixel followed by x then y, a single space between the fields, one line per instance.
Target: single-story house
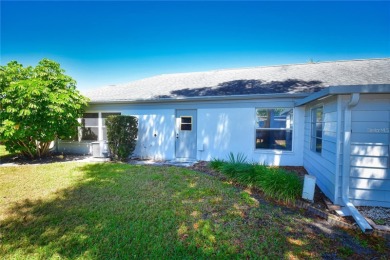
pixel 333 118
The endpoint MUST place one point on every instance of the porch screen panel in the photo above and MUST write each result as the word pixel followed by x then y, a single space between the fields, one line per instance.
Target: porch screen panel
pixel 90 127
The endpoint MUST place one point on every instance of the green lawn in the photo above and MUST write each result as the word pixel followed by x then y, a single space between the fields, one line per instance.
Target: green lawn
pixel 3 152
pixel 106 211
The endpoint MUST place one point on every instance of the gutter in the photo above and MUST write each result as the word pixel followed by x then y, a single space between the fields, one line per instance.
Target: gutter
pixel 360 220
pixel 343 90
pixel 201 98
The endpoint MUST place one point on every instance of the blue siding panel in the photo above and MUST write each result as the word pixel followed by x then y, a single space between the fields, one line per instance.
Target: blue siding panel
pixel 370 173
pixel 323 165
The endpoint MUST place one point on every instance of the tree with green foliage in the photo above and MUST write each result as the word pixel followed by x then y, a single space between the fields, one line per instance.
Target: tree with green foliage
pixel 38 104
pixel 122 136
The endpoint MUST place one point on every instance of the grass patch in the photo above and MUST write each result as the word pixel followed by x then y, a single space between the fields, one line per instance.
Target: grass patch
pixel 276 183
pixel 3 151
pixel 107 211
pixel 4 154
pixel 345 252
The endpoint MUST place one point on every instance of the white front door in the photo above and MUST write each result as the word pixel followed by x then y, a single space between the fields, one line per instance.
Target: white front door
pixel 186 133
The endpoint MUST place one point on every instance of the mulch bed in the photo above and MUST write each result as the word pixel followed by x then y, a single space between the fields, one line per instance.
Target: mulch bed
pixel 21 160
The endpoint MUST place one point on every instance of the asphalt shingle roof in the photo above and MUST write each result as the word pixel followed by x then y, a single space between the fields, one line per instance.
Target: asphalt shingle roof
pixel 297 78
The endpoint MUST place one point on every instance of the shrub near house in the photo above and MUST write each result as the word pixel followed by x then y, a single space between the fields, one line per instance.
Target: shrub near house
pixel 122 134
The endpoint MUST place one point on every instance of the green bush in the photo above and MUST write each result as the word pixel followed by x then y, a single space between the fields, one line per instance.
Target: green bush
pixel 281 185
pixel 274 182
pixel 235 170
pixel 252 175
pixel 216 164
pixel 121 134
pixel 240 158
pixel 235 166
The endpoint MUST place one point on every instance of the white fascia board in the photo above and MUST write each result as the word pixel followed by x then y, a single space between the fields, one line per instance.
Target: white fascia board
pixel 209 98
pixel 348 89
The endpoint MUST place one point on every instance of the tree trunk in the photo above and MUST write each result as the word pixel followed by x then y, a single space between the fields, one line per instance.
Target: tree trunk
pixel 42 148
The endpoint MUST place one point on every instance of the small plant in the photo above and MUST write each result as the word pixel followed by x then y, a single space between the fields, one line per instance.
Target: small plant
pixel 236 170
pixel 260 170
pixel 229 169
pixel 240 158
pixel 345 252
pixel 216 164
pixel 246 174
pixel 380 221
pixel 274 182
pixel 281 185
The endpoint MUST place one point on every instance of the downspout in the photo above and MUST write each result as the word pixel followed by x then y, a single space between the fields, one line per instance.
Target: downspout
pixel 339 159
pixel 360 220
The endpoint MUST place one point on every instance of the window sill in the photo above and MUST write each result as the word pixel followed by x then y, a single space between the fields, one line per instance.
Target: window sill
pixel 72 142
pixel 259 151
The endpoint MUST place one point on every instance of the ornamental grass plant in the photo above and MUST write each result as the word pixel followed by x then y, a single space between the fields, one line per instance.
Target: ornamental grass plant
pixel 275 182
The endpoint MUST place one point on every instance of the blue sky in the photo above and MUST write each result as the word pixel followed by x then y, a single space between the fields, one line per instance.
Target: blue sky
pixel 101 43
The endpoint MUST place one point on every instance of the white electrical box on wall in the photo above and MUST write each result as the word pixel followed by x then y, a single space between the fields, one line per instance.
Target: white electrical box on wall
pixel 309 185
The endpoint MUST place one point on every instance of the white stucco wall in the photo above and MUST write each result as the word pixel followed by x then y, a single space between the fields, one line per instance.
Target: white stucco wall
pixel 156 129
pixel 223 127
pixel 221 131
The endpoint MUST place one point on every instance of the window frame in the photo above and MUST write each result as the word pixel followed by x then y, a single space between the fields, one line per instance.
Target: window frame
pixel 286 129
pixel 181 123
pixel 314 130
pixel 100 125
pixel 80 128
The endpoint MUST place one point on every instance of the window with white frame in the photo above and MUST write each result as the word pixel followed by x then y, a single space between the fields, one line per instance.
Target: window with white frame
pixel 274 128
pixel 317 125
pixel 93 126
pixel 89 129
pixel 186 123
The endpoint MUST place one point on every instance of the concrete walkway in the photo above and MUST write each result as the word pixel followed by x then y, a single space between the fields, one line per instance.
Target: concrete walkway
pixel 58 159
pixel 178 163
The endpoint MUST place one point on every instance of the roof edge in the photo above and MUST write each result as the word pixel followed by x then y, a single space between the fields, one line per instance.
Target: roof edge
pixel 236 68
pixel 346 89
pixel 203 98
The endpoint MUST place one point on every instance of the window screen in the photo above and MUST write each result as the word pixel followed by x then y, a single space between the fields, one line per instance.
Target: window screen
pixel 274 128
pixel 90 127
pixel 316 129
